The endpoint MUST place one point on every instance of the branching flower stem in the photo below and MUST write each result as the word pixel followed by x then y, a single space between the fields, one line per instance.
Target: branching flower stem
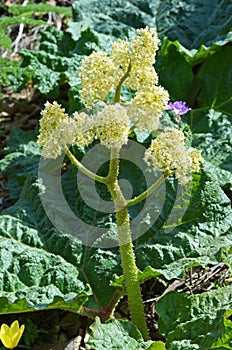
pixel 119 87
pixel 86 171
pixel 149 191
pixel 130 270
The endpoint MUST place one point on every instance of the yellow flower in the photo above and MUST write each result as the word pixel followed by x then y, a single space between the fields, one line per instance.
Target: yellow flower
pixel 10 336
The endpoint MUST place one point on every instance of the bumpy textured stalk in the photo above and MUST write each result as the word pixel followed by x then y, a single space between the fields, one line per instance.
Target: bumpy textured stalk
pixel 130 270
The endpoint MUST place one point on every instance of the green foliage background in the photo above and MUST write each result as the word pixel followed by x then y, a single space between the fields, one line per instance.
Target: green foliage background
pixel 42 268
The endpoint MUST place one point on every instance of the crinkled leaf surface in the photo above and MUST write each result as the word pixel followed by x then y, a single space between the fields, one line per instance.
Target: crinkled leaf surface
pixel 196 321
pixel 215 82
pixel 114 18
pixel 91 266
pixel 32 277
pixel 22 157
pixel 199 236
pixel 53 63
pixel 213 136
pixel 118 334
pixel 195 22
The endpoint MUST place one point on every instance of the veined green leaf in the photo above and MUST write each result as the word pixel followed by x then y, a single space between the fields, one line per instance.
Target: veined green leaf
pixel 22 157
pixel 196 321
pixel 31 277
pixel 194 22
pixel 128 337
pixel 215 83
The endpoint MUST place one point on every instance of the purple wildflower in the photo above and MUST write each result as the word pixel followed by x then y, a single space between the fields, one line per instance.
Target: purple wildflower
pixel 179 107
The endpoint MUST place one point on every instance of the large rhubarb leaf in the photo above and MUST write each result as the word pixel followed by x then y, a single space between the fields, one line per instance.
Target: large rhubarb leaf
pixel 22 158
pixel 31 277
pixel 206 86
pixel 92 266
pixel 198 237
pixel 213 137
pixel 215 83
pixel 194 22
pixel 196 321
pixel 128 337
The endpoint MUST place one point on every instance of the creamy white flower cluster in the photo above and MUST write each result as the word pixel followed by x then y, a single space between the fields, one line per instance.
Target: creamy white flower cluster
pixel 98 75
pixel 130 63
pixel 54 130
pixel 168 153
pixel 111 126
pixel 140 55
pixel 57 130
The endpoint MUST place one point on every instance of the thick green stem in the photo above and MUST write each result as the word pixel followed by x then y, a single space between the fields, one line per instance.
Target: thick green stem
pixel 84 169
pixel 130 270
pixel 119 87
pixel 114 166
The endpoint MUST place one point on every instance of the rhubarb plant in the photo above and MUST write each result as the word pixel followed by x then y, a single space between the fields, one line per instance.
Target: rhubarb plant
pixel 129 64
